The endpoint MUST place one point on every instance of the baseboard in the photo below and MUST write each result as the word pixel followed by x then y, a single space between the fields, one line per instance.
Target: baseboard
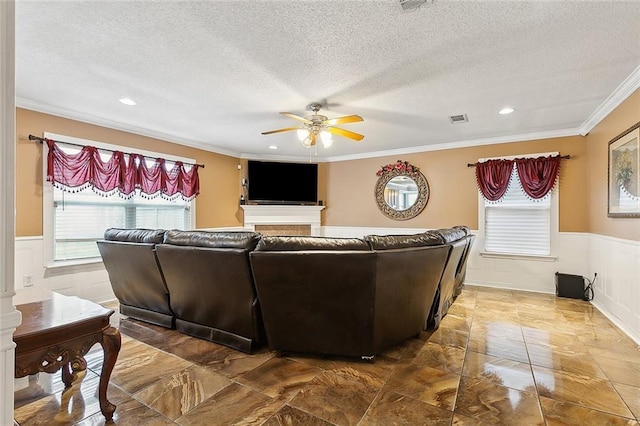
pixel 500 287
pixel 616 321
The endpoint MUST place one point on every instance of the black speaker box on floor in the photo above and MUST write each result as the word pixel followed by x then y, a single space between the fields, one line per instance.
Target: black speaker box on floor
pixel 571 286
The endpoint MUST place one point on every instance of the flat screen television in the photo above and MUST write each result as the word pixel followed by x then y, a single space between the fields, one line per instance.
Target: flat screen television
pixel 282 183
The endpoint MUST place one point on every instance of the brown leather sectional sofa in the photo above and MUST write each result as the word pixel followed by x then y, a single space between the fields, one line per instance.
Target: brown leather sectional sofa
pixel 340 296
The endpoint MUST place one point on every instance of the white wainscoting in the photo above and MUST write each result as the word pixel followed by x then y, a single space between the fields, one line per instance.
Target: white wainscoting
pixel 89 281
pixel 617 288
pixel 571 257
pixel 617 262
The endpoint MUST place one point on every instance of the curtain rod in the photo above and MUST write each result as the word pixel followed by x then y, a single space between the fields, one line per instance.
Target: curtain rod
pixel 564 157
pixel 41 140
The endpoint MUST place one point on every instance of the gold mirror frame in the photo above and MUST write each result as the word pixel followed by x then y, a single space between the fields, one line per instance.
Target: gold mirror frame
pixel 401 168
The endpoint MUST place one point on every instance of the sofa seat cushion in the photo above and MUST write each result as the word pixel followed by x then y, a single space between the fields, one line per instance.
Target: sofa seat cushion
pixel 232 240
pixel 388 242
pixel 280 243
pixel 148 236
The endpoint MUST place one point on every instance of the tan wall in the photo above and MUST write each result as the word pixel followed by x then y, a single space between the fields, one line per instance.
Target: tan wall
pixel 347 187
pixel 454 195
pixel 217 204
pixel 621 119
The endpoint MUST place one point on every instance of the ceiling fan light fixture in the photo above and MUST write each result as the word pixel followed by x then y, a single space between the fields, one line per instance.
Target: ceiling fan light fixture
pixel 327 139
pixel 316 126
pixel 302 134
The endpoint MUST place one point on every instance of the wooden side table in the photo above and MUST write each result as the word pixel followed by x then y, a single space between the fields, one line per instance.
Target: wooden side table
pixel 56 333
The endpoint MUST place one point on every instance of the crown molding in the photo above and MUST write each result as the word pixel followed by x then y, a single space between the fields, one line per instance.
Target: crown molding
pixel 622 92
pixel 92 119
pixel 460 144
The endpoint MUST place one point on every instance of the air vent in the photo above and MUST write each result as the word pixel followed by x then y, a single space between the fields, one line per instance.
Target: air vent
pixel 412 4
pixel 460 118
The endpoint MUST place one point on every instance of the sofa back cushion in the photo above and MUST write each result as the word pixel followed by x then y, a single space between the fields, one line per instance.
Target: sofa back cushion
pixel 280 243
pixel 452 234
pixel 387 242
pixel 149 236
pixel 231 240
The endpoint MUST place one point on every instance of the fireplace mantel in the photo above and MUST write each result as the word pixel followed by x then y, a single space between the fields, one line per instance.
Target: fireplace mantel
pixel 282 215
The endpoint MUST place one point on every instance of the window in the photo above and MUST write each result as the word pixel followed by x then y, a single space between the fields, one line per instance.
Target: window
pixel 75 221
pixel 519 225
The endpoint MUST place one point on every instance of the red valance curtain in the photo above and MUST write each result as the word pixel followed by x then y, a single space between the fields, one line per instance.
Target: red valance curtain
pixel 538 176
pixel 493 178
pixel 120 173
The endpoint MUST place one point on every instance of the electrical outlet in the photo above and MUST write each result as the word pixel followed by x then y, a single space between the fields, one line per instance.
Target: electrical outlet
pixel 27 280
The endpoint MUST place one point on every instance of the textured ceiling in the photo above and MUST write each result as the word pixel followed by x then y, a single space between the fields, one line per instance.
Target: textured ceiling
pixel 214 74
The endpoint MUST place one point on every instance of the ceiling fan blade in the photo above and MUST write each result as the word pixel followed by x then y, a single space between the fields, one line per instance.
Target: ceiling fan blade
pixel 286 129
pixel 343 120
pixel 345 133
pixel 296 117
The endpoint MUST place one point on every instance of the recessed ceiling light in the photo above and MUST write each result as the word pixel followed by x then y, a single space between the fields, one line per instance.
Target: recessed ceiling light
pixel 506 110
pixel 128 101
pixel 273 147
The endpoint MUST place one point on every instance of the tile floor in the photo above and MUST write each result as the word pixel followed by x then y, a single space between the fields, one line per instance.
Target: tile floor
pixel 499 357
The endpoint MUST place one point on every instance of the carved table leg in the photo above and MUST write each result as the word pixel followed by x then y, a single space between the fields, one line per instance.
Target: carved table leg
pixel 111 346
pixel 71 369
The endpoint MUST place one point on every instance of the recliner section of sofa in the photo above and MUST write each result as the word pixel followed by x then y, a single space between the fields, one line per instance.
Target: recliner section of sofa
pixel 211 286
pixel 418 260
pixel 316 294
pixel 136 278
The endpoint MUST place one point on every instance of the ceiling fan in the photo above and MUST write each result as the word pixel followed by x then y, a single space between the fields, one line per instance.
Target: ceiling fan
pixel 319 126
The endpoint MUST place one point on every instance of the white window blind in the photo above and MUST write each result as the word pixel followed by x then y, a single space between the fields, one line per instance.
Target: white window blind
pixel 81 218
pixel 517 224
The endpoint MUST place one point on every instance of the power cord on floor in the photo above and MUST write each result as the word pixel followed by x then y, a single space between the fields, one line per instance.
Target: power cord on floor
pixel 588 291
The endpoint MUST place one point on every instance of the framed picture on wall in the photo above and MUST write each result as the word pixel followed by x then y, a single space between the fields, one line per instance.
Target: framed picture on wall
pixel 624 174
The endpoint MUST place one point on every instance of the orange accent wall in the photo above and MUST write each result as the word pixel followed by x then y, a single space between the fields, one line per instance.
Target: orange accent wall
pixel 454 194
pixel 621 119
pixel 217 204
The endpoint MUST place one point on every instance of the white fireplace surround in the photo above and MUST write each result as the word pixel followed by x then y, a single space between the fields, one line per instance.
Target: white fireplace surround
pixel 282 215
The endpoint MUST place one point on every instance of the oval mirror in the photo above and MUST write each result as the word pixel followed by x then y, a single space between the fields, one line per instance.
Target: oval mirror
pixel 402 191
